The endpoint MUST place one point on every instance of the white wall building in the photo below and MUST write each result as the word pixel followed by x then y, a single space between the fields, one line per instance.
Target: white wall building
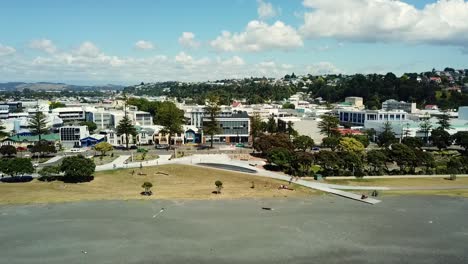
pixel 70 135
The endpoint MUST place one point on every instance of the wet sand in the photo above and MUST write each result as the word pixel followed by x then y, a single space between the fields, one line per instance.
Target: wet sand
pixel 323 229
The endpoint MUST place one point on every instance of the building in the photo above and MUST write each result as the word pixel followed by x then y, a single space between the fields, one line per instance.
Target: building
pixel 358 118
pixel 101 117
pixel 70 136
pixel 392 105
pixel 69 114
pixel 357 102
pixel 28 140
pixel 234 126
pixel 92 140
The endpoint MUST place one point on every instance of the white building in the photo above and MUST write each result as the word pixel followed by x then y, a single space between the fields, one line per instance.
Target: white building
pixel 70 135
pixel 392 105
pixel 68 114
pixel 359 118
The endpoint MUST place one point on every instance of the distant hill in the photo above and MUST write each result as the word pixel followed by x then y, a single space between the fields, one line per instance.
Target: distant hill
pixel 48 86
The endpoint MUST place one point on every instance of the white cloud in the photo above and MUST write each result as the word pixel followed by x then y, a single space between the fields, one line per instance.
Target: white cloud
pixel 144 45
pixel 45 45
pixel 187 40
pixel 443 22
pixel 88 49
pixel 88 63
pixel 322 68
pixel 266 10
pixel 259 36
pixel 6 50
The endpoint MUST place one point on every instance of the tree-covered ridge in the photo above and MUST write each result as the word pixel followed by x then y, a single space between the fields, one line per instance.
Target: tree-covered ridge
pixel 433 87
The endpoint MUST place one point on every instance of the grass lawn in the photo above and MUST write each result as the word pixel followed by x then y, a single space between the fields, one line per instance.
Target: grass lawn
pixel 105 159
pixel 181 182
pixel 149 156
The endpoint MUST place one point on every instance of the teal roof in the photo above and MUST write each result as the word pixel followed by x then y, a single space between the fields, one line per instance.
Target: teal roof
pixel 48 137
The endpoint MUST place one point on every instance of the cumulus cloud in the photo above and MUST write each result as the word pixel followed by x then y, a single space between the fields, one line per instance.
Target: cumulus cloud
pixel 88 49
pixel 144 45
pixel 6 50
pixel 88 63
pixel 187 40
pixel 266 10
pixel 322 68
pixel 45 45
pixel 443 22
pixel 259 36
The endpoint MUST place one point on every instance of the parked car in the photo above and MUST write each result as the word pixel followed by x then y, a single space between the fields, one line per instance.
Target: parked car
pixel 76 150
pixel 315 148
pixel 202 147
pixel 133 147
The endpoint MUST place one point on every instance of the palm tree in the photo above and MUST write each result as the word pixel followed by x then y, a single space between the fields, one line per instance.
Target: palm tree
pixel 328 124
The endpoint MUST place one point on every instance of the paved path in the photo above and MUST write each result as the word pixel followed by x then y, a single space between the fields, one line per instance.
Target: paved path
pixel 392 177
pixel 52 161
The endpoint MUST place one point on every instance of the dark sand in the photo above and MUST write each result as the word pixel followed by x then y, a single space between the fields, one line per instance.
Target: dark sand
pixel 323 229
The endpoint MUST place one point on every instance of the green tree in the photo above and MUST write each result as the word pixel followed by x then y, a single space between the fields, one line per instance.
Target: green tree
pixel 38 124
pixel 329 161
pixel 403 156
pixel 387 136
pixel 348 144
pixel 56 104
pixel 288 106
pixel 171 118
pixel 211 124
pixel 266 142
pixel 91 125
pixel 440 138
pixel 49 171
pixel 461 139
pixel 352 162
pixel 413 142
pixel 331 142
pixel 444 121
pixel 147 186
pixel 281 157
pixel 17 166
pixel 256 127
pixel 302 163
pixel 328 125
pixel 377 160
pixel 425 159
pixel 8 150
pixel 219 186
pixel 290 130
pixel 43 147
pixel 3 133
pixel 303 142
pixel 271 126
pixel 125 127
pixel 77 169
pixel 103 147
pixel 425 126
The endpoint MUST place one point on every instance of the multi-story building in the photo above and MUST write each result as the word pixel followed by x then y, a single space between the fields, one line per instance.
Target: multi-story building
pixel 234 126
pixel 70 136
pixel 102 117
pixel 68 114
pixel 358 118
pixel 392 105
pixel 357 102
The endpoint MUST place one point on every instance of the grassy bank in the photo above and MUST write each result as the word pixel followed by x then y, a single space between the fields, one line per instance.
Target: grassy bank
pixel 169 181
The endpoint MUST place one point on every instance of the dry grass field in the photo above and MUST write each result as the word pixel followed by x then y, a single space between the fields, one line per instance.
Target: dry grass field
pixel 169 182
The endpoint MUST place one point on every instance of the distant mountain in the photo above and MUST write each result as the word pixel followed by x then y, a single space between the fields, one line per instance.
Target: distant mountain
pixel 49 86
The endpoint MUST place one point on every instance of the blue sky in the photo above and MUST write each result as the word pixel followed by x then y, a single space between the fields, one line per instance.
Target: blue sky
pixel 141 40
